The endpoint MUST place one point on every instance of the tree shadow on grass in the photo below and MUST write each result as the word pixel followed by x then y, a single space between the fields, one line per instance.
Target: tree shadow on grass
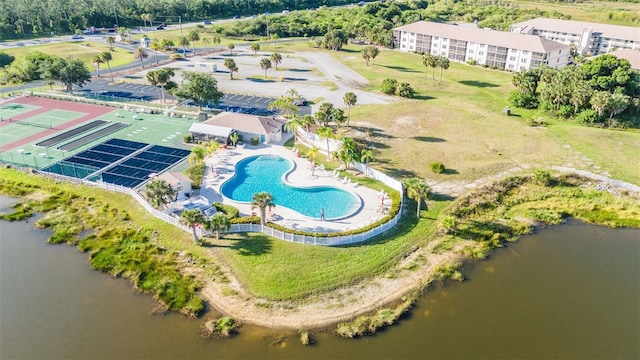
pixel 252 245
pixel 423 97
pixel 428 139
pixel 480 84
pixel 399 173
pixel 401 68
pixel 298 70
pixel 450 171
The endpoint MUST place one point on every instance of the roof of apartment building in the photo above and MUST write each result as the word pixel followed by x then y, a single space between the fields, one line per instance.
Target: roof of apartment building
pixel 633 56
pixel 252 124
pixel 577 27
pixel 510 40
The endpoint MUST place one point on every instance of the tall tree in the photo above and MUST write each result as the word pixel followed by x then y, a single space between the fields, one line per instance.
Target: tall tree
pixel 443 64
pixel 347 152
pixel 97 60
pixel 265 64
pixel 312 154
pixel 418 190
pixel 285 104
pixel 193 37
pixel 426 61
pixel 323 114
pixel 326 133
pixel 292 126
pixel 231 46
pixel 140 54
pixel 192 218
pixel 156 46
pixel 160 78
pixel 167 44
pixel 433 64
pixel 349 99
pixel 200 88
pixel 184 42
pixel 110 40
pixel 219 222
pixel 262 201
pixel 255 47
pixel 276 59
pixel 107 57
pixel 69 71
pixel 366 156
pixel 230 64
pixel 600 101
pixel 159 193
pixel 205 41
pixel 198 154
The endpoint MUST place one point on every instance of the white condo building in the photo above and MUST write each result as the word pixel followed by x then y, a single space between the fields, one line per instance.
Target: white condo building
pixel 589 38
pixel 504 50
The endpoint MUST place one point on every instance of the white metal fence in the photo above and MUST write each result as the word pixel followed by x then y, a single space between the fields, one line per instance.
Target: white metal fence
pixel 282 235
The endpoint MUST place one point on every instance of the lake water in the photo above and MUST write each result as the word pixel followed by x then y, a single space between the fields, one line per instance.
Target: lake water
pixel 571 291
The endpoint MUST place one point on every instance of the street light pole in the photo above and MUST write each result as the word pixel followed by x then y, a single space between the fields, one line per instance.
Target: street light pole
pixel 180 21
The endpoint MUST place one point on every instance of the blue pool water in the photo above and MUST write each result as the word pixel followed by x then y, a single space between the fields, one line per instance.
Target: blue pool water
pixel 265 173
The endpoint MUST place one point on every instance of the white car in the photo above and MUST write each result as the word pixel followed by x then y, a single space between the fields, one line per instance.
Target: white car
pixel 299 101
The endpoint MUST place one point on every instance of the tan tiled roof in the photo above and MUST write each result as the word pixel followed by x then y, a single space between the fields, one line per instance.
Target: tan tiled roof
pixel 484 36
pixel 633 56
pixel 576 27
pixel 247 123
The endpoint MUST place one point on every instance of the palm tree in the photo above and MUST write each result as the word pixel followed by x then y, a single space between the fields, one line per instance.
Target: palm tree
pixel 365 157
pixel 156 46
pixel 312 154
pixel 262 201
pixel 140 54
pixel 418 190
pixel 230 64
pixel 255 47
pixel 97 60
pixel 197 156
pixel 230 46
pixel 432 61
pixel 276 58
pixel 349 99
pixel 183 41
pixel 216 40
pixel 218 223
pixel 443 64
pixel 160 78
pixel 347 151
pixel 110 41
pixel 211 147
pixel 307 120
pixel 166 44
pixel 234 138
pixel 193 37
pixel 107 57
pixel 191 218
pixel 327 133
pixel 205 41
pixel 159 193
pixel 265 64
pixel 292 126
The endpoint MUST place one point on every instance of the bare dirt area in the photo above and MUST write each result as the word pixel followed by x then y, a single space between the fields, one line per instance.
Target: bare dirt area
pixel 327 309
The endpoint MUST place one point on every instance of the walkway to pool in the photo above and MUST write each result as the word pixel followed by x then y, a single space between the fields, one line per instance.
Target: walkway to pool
pixel 223 163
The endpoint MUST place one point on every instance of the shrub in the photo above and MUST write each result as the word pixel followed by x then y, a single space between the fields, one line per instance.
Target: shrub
pixel 255 141
pixel 196 173
pixel 389 86
pixel 405 90
pixel 187 138
pixel 565 111
pixel 176 56
pixel 231 212
pixel 520 100
pixel 542 177
pixel 472 62
pixel 588 116
pixel 437 167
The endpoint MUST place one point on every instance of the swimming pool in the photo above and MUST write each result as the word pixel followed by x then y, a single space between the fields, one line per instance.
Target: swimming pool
pixel 266 173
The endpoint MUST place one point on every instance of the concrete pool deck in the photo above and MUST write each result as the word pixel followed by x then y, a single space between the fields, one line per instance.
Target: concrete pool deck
pixel 224 161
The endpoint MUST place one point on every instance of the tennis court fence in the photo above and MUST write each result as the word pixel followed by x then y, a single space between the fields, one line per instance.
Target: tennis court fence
pixel 26 123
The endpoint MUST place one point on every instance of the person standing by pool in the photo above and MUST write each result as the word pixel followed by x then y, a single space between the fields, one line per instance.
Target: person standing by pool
pixel 322 214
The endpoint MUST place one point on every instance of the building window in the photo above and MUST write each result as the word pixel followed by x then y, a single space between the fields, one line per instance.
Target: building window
pixel 436 38
pixel 510 66
pixel 512 58
pixel 444 53
pixel 525 52
pixel 523 60
pixel 444 46
pixel 480 52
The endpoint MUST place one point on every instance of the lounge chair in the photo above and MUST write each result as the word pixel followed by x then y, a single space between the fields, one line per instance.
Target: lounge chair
pixel 345 180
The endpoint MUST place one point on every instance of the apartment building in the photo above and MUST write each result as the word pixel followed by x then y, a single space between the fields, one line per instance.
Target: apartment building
pixel 504 50
pixel 589 38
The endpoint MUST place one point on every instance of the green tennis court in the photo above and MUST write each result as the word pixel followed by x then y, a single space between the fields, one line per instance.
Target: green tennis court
pixel 10 110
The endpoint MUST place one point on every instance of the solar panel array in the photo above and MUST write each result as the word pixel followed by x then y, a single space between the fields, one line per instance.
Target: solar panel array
pixel 134 162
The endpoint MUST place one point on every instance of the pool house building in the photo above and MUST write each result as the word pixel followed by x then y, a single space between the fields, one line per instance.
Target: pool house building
pixel 267 129
pixel 503 50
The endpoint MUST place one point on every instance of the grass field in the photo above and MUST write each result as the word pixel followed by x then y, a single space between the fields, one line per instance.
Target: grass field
pixel 83 50
pixel 607 12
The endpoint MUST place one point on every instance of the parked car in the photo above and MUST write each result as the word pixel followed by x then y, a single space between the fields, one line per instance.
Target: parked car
pixel 76 37
pixel 285 11
pixel 361 3
pixel 300 101
pixel 161 27
pixel 236 16
pixel 206 22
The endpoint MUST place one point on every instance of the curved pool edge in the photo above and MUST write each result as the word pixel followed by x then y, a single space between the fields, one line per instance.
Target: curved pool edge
pixel 284 178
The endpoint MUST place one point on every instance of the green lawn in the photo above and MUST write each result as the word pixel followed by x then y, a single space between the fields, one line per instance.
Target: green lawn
pixel 276 269
pixel 606 12
pixel 83 50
